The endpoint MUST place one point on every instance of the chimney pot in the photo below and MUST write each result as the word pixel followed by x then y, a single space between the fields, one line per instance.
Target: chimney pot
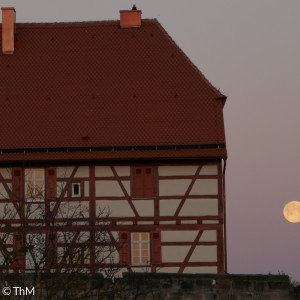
pixel 8 30
pixel 130 18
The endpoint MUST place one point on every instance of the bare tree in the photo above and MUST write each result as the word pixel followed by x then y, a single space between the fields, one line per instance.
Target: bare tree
pixel 50 244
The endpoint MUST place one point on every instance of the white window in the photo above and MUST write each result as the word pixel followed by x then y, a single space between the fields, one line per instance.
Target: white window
pixel 140 248
pixel 35 184
pixel 76 190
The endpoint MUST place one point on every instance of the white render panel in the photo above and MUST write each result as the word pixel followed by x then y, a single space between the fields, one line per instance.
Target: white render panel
pixel 72 209
pixel 117 208
pixel 82 172
pixel 64 172
pixel 34 211
pixel 168 270
pixel 210 222
pixel 167 222
pixel 145 208
pixel 206 270
pixel 3 193
pixel 59 189
pixel 174 253
pixel 86 189
pixel 8 211
pixel 199 207
pixel 178 236
pixel 176 170
pixel 209 236
pixel 103 171
pixel 175 187
pixel 126 184
pixel 108 188
pixel 6 173
pixel 205 187
pixel 168 207
pixel 204 254
pixel 123 170
pixel 209 170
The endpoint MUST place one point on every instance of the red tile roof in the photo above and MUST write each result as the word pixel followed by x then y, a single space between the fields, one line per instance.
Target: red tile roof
pixel 94 84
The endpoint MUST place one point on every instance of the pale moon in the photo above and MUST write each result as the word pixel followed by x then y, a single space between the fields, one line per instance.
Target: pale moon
pixel 291 211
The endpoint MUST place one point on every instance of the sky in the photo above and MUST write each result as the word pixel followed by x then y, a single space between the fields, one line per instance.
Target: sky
pixel 250 50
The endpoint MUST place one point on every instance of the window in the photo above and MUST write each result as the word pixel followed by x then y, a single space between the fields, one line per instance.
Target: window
pixel 140 248
pixel 34 184
pixel 143 182
pixel 76 190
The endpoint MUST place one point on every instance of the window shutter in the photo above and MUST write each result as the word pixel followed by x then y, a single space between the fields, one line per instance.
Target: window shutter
pixel 148 182
pixel 19 260
pixel 138 182
pixel 124 250
pixel 17 184
pixel 51 184
pixel 155 248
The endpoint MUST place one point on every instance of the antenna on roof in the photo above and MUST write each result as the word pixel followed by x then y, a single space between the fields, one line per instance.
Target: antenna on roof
pixel 134 7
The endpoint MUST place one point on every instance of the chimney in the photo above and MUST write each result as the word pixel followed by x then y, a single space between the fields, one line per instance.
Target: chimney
pixel 130 18
pixel 8 30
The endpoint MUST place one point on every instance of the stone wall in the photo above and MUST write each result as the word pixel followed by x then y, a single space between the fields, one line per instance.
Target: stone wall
pixel 226 287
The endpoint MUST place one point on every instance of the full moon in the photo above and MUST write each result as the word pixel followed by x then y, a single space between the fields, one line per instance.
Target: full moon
pixel 291 211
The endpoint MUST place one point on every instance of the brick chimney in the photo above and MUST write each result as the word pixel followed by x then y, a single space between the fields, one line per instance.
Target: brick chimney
pixel 130 18
pixel 8 30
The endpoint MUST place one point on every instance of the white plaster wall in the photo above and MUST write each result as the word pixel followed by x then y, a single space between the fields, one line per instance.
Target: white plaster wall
pixel 204 254
pixel 176 170
pixel 210 222
pixel 209 170
pixel 123 170
pixel 209 236
pixel 175 187
pixel 86 189
pixel 205 187
pixel 118 208
pixel 6 173
pixel 64 172
pixel 3 193
pixel 126 184
pixel 108 188
pixel 206 270
pixel 178 236
pixel 72 209
pixel 168 207
pixel 8 211
pixel 174 253
pixel 199 207
pixel 145 208
pixel 103 171
pixel 59 189
pixel 35 211
pixel 82 172
pixel 107 255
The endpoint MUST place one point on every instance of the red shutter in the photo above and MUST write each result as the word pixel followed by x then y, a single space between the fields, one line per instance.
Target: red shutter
pixel 50 183
pixel 148 182
pixel 124 250
pixel 17 184
pixel 19 259
pixel 155 248
pixel 138 182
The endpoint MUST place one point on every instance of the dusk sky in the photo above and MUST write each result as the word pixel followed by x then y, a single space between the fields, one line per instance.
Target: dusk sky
pixel 250 50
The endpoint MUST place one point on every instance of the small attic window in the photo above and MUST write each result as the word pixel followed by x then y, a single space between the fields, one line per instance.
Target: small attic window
pixel 76 189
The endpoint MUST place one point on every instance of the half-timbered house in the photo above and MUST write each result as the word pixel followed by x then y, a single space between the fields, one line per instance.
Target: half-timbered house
pixel 112 114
